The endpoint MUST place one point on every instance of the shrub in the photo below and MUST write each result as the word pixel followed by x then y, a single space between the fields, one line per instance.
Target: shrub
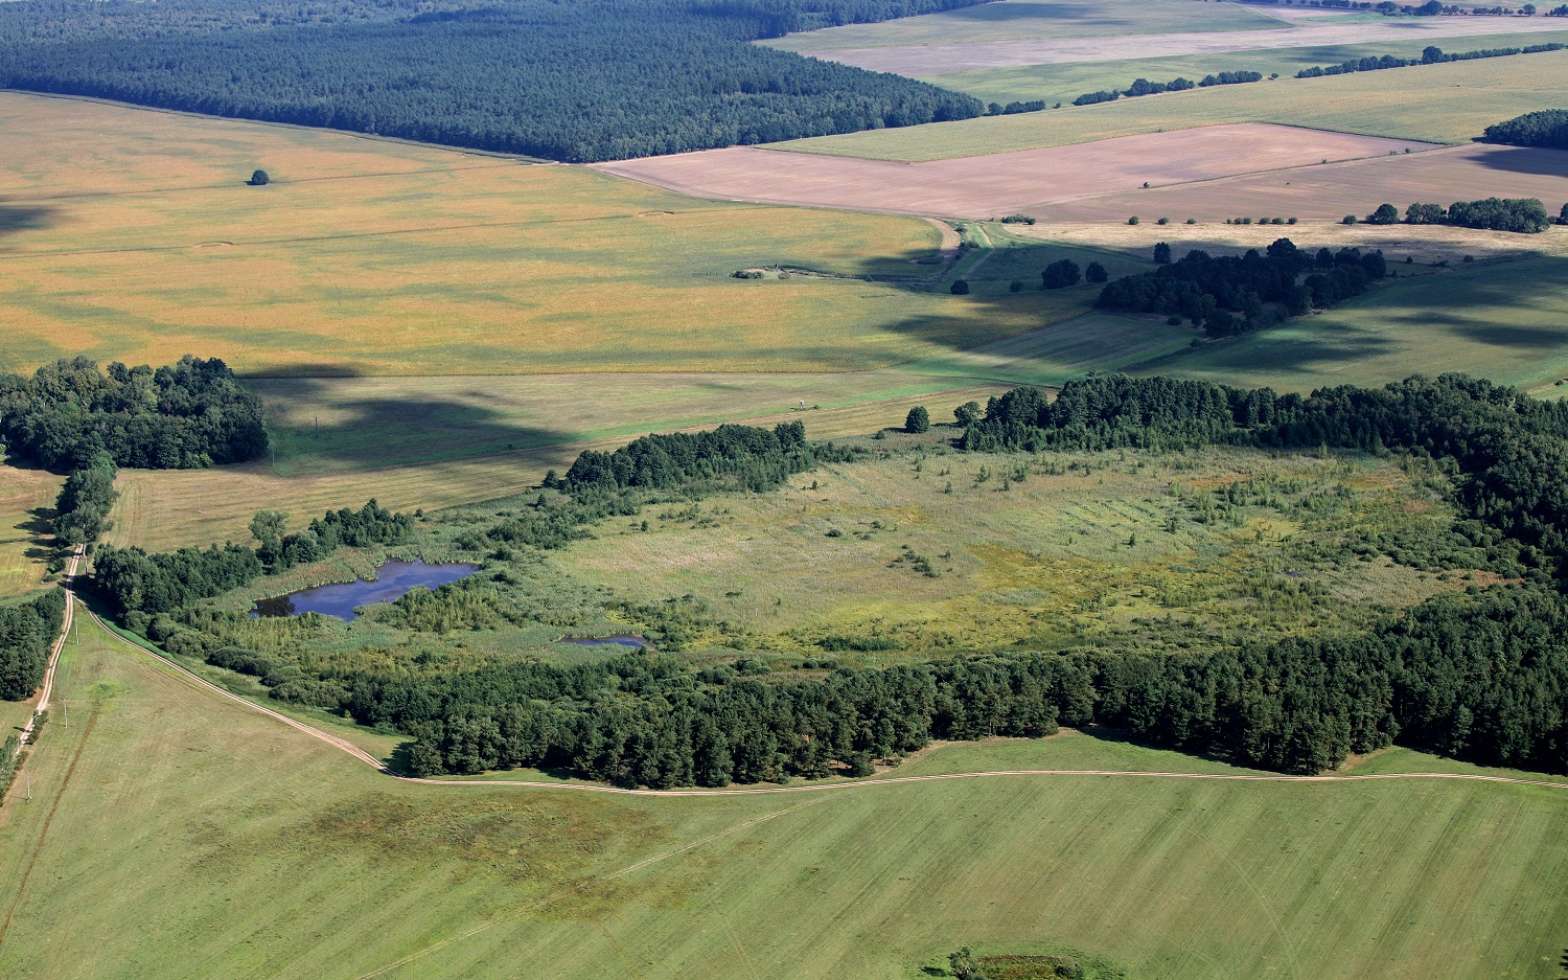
pixel 918 420
pixel 1348 219
pixel 1132 220
pixel 960 287
pixel 259 178
pixel 1162 221
pixel 1060 274
pixel 1094 272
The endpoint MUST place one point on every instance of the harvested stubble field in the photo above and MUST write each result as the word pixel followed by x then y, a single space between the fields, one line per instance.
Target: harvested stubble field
pixel 1451 103
pixel 1327 192
pixel 999 183
pixel 932 60
pixel 129 234
pixel 248 837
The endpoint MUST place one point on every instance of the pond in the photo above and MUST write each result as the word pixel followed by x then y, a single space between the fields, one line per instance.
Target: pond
pixel 393 579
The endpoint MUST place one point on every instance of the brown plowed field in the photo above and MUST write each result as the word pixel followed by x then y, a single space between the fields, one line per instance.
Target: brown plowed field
pixel 996 184
pixel 1460 173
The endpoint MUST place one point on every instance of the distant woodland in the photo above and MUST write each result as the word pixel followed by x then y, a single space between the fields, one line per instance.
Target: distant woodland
pixel 581 81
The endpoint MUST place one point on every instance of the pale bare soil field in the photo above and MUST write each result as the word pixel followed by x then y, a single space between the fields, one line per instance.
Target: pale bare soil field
pixel 1329 192
pixel 997 183
pixel 925 60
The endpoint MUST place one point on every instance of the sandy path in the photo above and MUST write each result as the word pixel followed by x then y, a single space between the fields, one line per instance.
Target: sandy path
pixel 47 688
pixel 949 59
pixel 364 757
pixel 997 183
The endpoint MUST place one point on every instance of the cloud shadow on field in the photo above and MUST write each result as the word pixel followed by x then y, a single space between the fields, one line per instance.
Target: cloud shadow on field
pixel 318 425
pixel 1003 12
pixel 24 217
pixel 1529 160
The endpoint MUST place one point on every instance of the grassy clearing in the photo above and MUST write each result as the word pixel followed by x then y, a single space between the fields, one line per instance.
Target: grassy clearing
pixel 24 495
pixel 1010 20
pixel 926 554
pixel 1065 82
pixel 267 853
pixel 370 257
pixel 1439 103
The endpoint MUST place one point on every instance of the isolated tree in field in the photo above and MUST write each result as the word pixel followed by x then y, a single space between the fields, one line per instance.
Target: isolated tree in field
pixel 1162 253
pixel 918 420
pixel 1060 274
pixel 1095 272
pixel 259 178
pixel 967 414
pixel 1132 220
pixel 1349 219
pixel 960 287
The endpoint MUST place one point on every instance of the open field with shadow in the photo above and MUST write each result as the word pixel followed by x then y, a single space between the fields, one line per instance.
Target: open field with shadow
pixel 251 839
pixel 1450 103
pixel 374 257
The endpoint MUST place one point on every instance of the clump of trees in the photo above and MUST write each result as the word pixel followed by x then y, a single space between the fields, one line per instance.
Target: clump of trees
pixel 1060 274
pixel 138 585
pixel 1547 128
pixel 27 631
pixel 738 456
pixel 1432 55
pixel 187 415
pixel 1231 295
pixel 82 508
pixel 1523 215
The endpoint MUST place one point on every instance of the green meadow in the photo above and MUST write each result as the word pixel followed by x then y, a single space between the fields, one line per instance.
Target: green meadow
pixel 266 852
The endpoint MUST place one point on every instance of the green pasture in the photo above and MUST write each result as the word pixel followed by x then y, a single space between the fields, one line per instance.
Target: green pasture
pixel 174 834
pixel 1449 103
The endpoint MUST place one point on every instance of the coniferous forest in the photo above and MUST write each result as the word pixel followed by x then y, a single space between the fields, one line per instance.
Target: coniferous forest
pixel 583 81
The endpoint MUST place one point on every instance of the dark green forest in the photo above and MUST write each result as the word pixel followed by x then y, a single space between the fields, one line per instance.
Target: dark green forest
pixel 26 633
pixel 582 81
pixel 1548 128
pixel 1481 675
pixel 188 415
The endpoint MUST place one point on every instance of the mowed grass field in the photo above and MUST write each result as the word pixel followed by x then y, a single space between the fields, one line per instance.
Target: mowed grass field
pixel 264 852
pixel 128 234
pixel 1450 103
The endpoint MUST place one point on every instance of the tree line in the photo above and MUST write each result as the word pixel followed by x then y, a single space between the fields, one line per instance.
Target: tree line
pixel 1526 215
pixel 731 456
pixel 1142 86
pixel 82 508
pixel 27 631
pixel 188 415
pixel 1546 128
pixel 580 82
pixel 1431 55
pixel 1231 295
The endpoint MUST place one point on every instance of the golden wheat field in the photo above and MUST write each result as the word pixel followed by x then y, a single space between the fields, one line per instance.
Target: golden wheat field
pixel 129 234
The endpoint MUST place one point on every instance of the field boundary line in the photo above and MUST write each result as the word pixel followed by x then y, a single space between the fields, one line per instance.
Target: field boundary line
pixel 365 758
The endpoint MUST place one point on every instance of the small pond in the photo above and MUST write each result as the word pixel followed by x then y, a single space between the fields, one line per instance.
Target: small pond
pixel 392 580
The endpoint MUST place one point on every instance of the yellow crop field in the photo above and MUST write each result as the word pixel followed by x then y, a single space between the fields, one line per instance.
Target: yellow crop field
pixel 128 234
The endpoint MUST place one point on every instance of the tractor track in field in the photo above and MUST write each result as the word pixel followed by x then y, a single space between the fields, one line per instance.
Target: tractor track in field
pixel 365 758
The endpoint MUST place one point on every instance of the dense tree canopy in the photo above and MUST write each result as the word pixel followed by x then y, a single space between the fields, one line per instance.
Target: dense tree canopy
pixel 27 631
pixel 590 80
pixel 1548 128
pixel 191 414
